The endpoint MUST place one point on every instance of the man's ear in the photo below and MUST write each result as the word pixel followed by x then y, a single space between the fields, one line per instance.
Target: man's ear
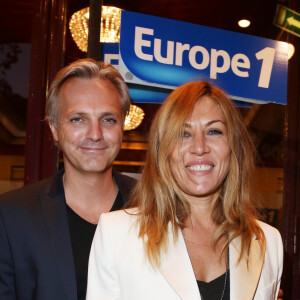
pixel 54 131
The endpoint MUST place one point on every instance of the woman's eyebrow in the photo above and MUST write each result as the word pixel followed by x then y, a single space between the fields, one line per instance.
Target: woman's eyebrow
pixel 188 125
pixel 215 121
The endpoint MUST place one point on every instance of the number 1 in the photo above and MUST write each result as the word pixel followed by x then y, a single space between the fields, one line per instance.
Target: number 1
pixel 267 55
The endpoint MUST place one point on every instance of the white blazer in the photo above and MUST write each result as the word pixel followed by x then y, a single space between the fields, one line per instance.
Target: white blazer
pixel 118 267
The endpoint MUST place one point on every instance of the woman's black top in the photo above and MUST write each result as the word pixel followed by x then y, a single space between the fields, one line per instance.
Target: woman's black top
pixel 213 290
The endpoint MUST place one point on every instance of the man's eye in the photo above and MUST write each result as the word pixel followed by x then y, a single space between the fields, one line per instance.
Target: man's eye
pixel 110 120
pixel 215 132
pixel 76 119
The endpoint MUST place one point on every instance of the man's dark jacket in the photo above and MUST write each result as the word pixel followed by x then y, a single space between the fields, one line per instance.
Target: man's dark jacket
pixel 36 257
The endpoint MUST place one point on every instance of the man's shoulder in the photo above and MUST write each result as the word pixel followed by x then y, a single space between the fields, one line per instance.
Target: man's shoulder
pixel 125 184
pixel 122 178
pixel 27 193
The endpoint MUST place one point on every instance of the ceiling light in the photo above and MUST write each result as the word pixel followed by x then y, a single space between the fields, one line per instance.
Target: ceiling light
pixel 244 23
pixel 110 26
pixel 134 117
pixel 291 50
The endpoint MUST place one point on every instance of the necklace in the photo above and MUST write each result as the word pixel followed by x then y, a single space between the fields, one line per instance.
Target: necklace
pixel 226 276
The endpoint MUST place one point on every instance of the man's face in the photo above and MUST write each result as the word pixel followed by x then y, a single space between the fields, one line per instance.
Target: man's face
pixel 90 124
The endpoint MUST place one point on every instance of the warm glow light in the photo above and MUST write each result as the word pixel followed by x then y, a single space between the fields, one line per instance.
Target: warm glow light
pixel 134 118
pixel 110 26
pixel 244 23
pixel 291 50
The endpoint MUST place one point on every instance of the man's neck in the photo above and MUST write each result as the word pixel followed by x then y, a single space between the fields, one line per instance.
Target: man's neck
pixel 90 194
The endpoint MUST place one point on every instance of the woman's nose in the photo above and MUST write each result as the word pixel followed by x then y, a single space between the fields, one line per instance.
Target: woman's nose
pixel 199 144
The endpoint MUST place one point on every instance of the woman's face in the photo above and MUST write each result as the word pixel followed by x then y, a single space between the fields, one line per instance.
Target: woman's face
pixel 200 161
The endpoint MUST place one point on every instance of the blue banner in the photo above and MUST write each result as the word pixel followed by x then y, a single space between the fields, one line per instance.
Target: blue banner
pixel 165 53
pixel 138 93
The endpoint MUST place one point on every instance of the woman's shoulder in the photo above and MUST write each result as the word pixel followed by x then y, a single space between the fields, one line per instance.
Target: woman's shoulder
pixel 119 219
pixel 271 234
pixel 266 228
pixel 273 250
pixel 120 227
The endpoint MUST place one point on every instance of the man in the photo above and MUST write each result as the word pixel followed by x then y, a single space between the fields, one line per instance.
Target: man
pixel 46 229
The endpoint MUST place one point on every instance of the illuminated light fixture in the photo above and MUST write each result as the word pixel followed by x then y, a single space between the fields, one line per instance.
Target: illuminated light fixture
pixel 110 26
pixel 244 23
pixel 134 118
pixel 291 50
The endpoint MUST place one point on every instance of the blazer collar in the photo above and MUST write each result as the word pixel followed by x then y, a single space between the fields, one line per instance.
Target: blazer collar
pixel 53 205
pixel 177 269
pixel 244 279
pixel 125 184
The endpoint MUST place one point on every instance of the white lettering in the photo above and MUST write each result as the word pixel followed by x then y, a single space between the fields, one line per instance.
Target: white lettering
pixel 205 57
pixel 199 57
pixel 180 48
pixel 240 61
pixel 214 68
pixel 267 55
pixel 109 57
pixel 139 42
pixel 169 59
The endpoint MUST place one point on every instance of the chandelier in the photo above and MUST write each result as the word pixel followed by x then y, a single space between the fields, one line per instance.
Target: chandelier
pixel 110 26
pixel 134 118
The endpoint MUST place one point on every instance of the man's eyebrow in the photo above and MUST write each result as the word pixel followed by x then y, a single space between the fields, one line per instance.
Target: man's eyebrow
pixel 83 113
pixel 76 113
pixel 108 113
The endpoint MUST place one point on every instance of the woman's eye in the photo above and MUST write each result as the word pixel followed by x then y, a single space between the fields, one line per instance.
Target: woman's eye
pixel 215 132
pixel 186 134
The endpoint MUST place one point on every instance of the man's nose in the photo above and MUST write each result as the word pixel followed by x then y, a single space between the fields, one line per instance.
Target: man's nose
pixel 95 131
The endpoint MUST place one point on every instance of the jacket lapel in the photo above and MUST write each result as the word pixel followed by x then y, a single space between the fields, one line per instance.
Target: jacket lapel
pixel 125 184
pixel 54 210
pixel 244 279
pixel 177 269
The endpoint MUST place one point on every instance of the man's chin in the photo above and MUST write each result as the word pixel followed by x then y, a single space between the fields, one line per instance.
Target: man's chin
pixel 96 169
pixel 89 165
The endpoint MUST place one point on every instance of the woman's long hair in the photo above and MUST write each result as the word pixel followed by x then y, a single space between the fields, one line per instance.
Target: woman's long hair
pixel 161 204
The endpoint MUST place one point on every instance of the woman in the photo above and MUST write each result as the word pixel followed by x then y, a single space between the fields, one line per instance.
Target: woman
pixel 193 233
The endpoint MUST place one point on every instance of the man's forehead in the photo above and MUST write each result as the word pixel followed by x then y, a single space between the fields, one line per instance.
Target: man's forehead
pixel 85 96
pixel 81 87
